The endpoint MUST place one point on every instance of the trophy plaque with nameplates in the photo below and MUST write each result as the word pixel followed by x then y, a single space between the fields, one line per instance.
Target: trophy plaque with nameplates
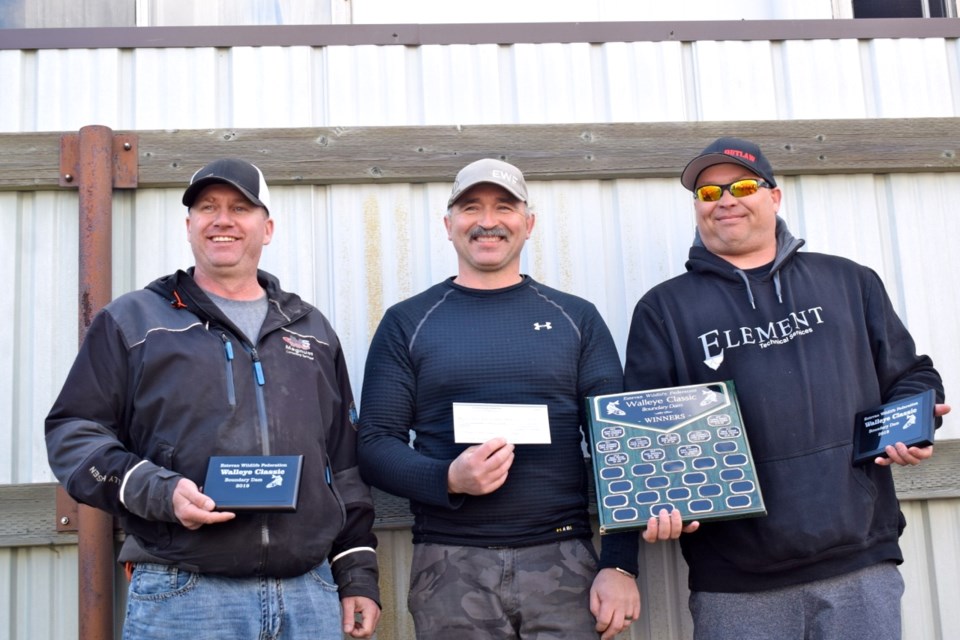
pixel 678 448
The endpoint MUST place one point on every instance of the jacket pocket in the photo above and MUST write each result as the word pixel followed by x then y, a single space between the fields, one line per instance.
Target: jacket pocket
pixel 818 505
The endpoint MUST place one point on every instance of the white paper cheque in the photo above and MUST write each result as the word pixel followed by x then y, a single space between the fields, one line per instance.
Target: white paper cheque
pixel 476 422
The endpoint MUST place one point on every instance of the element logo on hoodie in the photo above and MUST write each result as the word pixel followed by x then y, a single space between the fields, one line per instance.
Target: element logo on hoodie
pixel 776 332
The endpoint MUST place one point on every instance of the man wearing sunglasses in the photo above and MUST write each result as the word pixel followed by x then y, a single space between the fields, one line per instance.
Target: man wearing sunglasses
pixel 809 340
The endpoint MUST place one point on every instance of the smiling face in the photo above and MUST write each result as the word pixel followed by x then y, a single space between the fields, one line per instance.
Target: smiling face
pixel 742 231
pixel 227 234
pixel 488 227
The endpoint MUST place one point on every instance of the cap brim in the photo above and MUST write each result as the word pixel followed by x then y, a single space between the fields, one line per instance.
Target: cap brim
pixel 688 178
pixel 191 193
pixel 508 188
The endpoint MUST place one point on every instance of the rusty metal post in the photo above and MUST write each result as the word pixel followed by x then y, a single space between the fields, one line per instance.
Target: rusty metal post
pixel 89 162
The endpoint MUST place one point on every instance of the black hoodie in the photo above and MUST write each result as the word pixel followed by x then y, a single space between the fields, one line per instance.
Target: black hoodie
pixel 809 341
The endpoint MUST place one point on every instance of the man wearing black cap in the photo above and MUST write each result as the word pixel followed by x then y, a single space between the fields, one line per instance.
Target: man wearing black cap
pixel 218 360
pixel 809 340
pixel 501 529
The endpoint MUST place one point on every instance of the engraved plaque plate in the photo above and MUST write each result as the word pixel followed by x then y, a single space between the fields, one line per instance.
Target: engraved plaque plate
pixel 254 483
pixel 908 420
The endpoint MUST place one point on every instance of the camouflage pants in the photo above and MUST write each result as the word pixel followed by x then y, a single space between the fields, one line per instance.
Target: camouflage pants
pixel 474 593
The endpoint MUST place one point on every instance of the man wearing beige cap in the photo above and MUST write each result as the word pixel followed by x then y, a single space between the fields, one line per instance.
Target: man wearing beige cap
pixel 502 535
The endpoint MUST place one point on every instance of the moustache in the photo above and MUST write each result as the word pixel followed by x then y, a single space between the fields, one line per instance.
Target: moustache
pixel 495 232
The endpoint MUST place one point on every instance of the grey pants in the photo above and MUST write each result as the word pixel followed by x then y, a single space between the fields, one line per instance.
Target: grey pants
pixel 864 605
pixel 474 593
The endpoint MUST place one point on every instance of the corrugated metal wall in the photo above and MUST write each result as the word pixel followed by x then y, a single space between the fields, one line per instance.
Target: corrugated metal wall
pixel 356 249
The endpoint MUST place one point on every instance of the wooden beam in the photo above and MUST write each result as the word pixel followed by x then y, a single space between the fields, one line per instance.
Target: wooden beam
pixel 369 155
pixel 30 512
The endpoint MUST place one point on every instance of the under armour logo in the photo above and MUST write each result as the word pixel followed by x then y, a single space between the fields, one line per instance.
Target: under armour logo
pixel 545 325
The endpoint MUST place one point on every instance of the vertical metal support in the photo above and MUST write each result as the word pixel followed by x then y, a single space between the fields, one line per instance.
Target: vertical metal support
pixel 90 162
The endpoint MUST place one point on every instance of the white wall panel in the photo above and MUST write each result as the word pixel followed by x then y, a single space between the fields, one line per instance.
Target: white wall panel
pixel 462 84
pixel 734 81
pixel 821 79
pixel 483 84
pixel 269 86
pixel 443 11
pixel 639 82
pixel 170 13
pixel 43 328
pixel 79 87
pixel 907 78
pixel 179 89
pixel 12 78
pixel 376 96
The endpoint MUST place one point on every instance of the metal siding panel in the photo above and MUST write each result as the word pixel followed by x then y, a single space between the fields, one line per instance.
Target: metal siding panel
pixel 165 95
pixel 45 330
pixel 554 83
pixel 639 82
pixel 735 81
pixel 12 79
pixel 44 576
pixel 944 542
pixel 461 84
pixel 44 14
pixel 388 243
pixel 932 583
pixel 79 87
pixel 156 243
pixel 816 69
pixel 485 84
pixel 908 78
pixel 390 11
pixel 377 96
pixel 10 388
pixel 255 86
pixel 928 269
pixel 169 13
pixel 654 226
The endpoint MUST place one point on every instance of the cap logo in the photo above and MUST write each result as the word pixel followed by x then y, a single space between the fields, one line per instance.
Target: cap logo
pixel 506 177
pixel 736 153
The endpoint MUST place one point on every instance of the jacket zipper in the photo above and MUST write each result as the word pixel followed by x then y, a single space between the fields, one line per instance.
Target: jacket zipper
pixel 228 351
pixel 261 402
pixel 258 382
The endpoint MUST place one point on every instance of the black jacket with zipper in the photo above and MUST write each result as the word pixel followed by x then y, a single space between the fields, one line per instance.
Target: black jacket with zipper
pixel 164 380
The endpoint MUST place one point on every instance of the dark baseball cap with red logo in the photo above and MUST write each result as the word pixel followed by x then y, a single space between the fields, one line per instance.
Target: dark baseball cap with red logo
pixel 728 150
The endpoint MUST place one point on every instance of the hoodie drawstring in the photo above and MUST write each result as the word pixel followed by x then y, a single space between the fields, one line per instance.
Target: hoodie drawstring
pixel 746 281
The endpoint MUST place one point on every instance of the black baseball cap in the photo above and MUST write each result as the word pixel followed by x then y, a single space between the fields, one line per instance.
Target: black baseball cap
pixel 728 150
pixel 237 173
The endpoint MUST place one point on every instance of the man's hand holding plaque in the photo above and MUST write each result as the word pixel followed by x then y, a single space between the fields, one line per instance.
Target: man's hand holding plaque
pixel 899 432
pixel 254 483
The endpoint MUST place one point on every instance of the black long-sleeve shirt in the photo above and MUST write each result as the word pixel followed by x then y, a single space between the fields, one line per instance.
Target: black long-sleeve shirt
pixel 525 344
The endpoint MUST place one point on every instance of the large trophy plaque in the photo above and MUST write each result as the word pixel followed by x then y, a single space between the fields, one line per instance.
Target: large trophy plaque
pixel 678 448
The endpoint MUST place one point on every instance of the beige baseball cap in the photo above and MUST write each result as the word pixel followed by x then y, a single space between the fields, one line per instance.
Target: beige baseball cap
pixel 492 171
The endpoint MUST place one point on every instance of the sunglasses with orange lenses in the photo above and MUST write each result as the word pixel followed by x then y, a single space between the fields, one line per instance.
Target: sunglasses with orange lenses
pixel 738 189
